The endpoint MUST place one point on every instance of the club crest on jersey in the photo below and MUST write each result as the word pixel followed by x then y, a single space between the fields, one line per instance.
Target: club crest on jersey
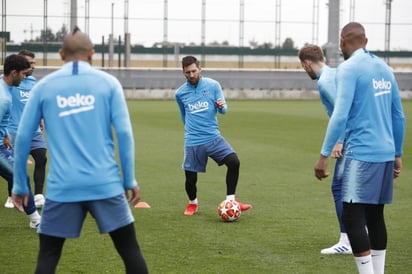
pixel 75 104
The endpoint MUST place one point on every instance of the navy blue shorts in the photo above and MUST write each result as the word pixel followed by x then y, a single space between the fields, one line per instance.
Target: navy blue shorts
pixel 195 158
pixel 65 220
pixel 36 142
pixel 367 183
pixel 6 159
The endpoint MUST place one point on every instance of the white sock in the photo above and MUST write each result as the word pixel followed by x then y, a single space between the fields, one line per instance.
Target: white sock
pixel 34 216
pixel 378 261
pixel 193 201
pixel 364 264
pixel 230 197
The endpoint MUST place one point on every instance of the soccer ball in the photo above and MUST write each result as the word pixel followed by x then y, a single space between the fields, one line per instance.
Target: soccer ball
pixel 229 211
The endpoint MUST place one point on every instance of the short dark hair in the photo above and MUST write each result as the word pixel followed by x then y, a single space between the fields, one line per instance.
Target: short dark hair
pixel 311 52
pixel 15 62
pixel 188 60
pixel 354 33
pixel 26 52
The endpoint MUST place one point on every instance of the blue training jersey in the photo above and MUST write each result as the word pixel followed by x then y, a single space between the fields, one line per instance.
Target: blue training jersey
pixel 327 88
pixel 20 96
pixel 368 105
pixel 5 108
pixel 79 105
pixel 327 91
pixel 197 105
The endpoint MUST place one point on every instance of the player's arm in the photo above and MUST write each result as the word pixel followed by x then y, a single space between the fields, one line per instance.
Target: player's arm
pixel 29 123
pixel 325 99
pixel 346 86
pixel 220 99
pixel 398 120
pixel 3 128
pixel 124 133
pixel 181 108
pixel 398 124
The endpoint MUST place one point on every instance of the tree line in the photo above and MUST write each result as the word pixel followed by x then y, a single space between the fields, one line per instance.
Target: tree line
pixel 58 36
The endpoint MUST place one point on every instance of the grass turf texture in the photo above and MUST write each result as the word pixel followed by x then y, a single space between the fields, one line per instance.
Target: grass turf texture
pixel 292 219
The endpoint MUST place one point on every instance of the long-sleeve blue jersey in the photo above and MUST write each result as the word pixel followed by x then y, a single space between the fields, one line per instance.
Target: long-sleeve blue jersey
pixel 327 88
pixel 5 108
pixel 197 105
pixel 79 105
pixel 327 91
pixel 20 96
pixel 368 105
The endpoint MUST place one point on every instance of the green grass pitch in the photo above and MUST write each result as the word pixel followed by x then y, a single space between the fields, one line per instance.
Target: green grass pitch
pixel 292 219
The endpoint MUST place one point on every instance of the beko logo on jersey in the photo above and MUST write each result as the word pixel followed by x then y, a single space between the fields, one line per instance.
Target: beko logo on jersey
pixel 383 86
pixel 199 106
pixel 24 96
pixel 77 103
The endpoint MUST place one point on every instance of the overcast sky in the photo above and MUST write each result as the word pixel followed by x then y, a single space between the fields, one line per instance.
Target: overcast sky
pixel 24 19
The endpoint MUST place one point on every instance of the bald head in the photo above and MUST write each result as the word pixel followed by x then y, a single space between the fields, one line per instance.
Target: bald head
pixel 352 38
pixel 77 46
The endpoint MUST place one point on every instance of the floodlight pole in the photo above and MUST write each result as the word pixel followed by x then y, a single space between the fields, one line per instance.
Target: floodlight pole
pixel 73 14
pixel 332 46
pixel 203 34
pixel 388 29
pixel 315 22
pixel 278 21
pixel 165 32
pixel 241 31
pixel 86 16
pixel 127 46
pixel 3 29
pixel 45 33
pixel 111 42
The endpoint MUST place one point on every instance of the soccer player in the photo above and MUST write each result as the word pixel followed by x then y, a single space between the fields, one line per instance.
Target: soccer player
pixel 80 106
pixel 199 100
pixel 313 62
pixel 20 95
pixel 15 68
pixel 368 106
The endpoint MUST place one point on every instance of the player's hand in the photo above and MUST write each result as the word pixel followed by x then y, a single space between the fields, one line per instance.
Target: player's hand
pixel 135 196
pixel 220 103
pixel 337 151
pixel 321 168
pixel 41 124
pixel 398 167
pixel 7 143
pixel 20 201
